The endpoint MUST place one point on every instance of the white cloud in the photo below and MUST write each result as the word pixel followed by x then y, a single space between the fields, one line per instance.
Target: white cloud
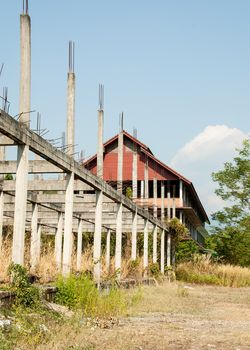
pixel 204 154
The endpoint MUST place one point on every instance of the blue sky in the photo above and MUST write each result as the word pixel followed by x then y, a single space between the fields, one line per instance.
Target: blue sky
pixel 173 67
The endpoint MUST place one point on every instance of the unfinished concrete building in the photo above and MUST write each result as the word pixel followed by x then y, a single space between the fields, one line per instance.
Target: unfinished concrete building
pixel 147 181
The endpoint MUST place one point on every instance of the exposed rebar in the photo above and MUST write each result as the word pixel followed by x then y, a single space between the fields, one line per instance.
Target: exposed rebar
pixel 71 56
pixel 101 97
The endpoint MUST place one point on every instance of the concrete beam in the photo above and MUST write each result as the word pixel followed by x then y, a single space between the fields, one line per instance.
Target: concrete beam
pixel 38 145
pixel 35 167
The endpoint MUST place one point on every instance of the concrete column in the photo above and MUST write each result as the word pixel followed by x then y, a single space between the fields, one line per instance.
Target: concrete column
pixel 34 236
pixel 68 221
pixel 146 180
pixel 134 172
pixel 22 150
pixel 99 194
pixel 70 133
pixel 162 200
pixel 98 236
pixel 79 246
pixel 162 251
pixel 142 189
pixel 155 244
pixel 134 236
pixel 181 216
pixel 120 162
pixel 181 193
pixel 1 218
pixel 100 144
pixel 118 243
pixel 108 250
pixel 155 215
pixel 145 245
pixel 168 196
pixel 25 71
pixel 20 204
pixel 58 241
pixel 168 250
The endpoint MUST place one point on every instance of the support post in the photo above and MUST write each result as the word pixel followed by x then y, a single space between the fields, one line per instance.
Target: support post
pixel 108 250
pixel 146 181
pixel 145 246
pixel 58 241
pixel 162 251
pixel 1 219
pixel 168 250
pixel 181 193
pixel 22 150
pixel 70 136
pixel 68 221
pixel 134 171
pixel 168 195
pixel 118 243
pixel 79 246
pixel 120 157
pixel 98 236
pixel 34 236
pixel 155 244
pixel 155 215
pixel 99 194
pixel 134 236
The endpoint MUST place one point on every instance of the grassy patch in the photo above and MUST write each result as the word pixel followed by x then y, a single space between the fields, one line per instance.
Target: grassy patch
pixel 202 270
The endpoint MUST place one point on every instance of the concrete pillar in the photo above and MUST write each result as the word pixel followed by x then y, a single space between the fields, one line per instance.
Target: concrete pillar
pixel 162 200
pixel 98 236
pixel 79 246
pixel 168 250
pixel 99 194
pixel 146 181
pixel 181 193
pixel 22 150
pixel 100 144
pixel 142 189
pixel 118 242
pixel 155 244
pixel 168 196
pixel 155 215
pixel 34 236
pixel 68 221
pixel 134 172
pixel 134 236
pixel 70 132
pixel 162 251
pixel 1 218
pixel 120 162
pixel 25 71
pixel 20 204
pixel 181 216
pixel 145 245
pixel 108 250
pixel 58 241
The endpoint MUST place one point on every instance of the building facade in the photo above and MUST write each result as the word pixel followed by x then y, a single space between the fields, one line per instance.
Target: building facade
pixel 152 184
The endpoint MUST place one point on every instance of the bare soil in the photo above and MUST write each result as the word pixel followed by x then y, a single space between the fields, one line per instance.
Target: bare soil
pixel 171 316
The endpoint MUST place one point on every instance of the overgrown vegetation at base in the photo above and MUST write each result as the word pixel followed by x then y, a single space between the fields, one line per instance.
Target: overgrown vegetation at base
pixel 203 270
pixel 80 293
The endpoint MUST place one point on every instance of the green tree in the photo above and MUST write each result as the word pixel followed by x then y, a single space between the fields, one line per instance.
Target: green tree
pixel 231 235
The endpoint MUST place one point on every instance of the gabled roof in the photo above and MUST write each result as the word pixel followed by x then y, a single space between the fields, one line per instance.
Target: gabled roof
pixel 145 149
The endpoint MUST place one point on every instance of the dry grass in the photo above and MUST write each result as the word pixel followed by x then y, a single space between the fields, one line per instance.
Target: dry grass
pixel 47 269
pixel 207 317
pixel 203 270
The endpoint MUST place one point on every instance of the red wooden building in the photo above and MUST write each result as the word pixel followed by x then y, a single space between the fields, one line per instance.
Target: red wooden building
pixel 152 184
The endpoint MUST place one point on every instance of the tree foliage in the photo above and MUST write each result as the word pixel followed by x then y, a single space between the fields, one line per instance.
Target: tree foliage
pixel 231 236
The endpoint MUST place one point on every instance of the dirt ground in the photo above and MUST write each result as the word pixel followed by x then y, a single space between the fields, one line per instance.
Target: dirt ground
pixel 172 316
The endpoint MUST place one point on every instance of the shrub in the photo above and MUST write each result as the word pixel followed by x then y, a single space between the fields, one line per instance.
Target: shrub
pixel 80 293
pixel 154 270
pixel 26 294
